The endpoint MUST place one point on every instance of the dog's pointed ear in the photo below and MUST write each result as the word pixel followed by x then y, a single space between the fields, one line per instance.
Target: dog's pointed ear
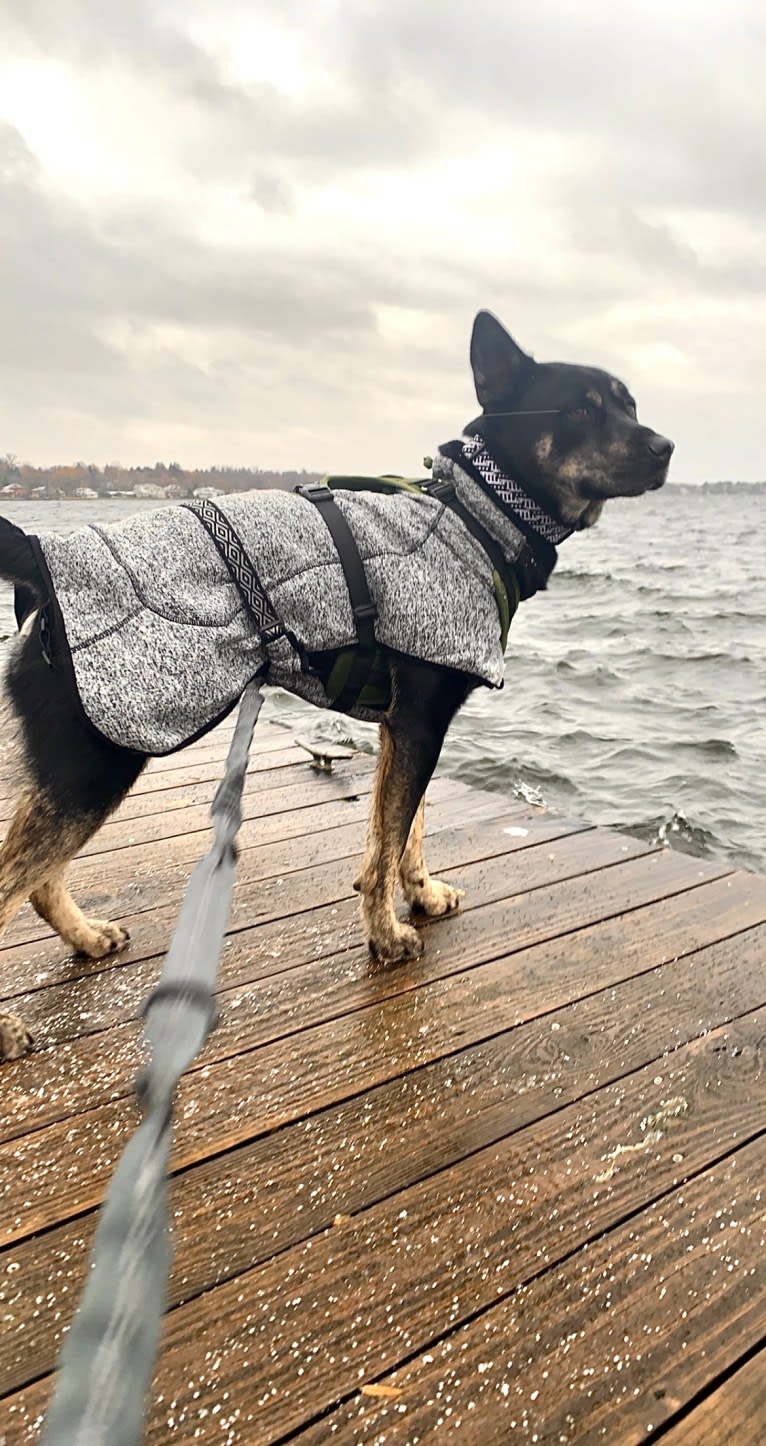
pixel 499 366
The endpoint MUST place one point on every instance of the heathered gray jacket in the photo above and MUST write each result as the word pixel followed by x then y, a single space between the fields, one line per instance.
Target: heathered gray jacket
pixel 162 644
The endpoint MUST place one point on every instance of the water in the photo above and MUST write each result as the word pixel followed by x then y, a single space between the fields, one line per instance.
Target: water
pixel 635 687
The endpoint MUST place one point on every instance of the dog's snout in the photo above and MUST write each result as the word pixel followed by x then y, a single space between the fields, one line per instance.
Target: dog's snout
pixel 660 447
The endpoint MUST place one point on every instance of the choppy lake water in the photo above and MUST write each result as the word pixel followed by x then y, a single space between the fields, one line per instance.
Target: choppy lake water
pixel 635 687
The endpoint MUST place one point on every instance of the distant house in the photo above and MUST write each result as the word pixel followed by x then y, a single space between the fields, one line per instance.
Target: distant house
pixel 174 489
pixel 13 489
pixel 205 492
pixel 85 493
pixel 149 489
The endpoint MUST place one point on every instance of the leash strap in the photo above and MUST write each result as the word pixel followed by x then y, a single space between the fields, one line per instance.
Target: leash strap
pixel 362 606
pixel 108 1356
pixel 232 550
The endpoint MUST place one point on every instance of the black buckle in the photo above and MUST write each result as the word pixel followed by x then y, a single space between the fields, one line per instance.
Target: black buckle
pixel 365 611
pixel 442 490
pixel 315 492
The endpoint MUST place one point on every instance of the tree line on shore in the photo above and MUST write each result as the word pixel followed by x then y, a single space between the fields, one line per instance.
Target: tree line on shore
pixel 69 479
pixel 19 479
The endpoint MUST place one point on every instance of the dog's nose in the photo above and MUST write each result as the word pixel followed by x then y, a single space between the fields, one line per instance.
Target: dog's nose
pixel 660 447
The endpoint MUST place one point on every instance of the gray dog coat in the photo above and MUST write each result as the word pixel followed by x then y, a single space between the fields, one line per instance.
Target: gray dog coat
pixel 161 642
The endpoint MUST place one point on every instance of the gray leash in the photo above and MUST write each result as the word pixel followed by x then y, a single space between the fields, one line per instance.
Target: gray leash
pixel 107 1360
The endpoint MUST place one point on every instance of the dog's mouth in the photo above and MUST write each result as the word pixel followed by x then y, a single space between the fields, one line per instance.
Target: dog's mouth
pixel 658 475
pixel 601 489
pixel 635 481
pixel 631 471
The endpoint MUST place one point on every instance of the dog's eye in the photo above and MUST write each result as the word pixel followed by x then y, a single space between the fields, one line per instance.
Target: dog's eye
pixel 578 414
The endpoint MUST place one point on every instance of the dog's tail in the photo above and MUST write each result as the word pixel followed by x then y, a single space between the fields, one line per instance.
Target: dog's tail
pixel 18 563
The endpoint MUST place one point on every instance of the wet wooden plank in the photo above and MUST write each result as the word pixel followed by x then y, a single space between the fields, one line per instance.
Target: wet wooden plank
pixel 279 1190
pixel 273 749
pixel 281 805
pixel 149 875
pixel 737 901
pixel 609 1345
pixel 286 1340
pixel 263 798
pixel 60 1168
pixel 733 1414
pixel 148 904
pixel 504 1092
pixel 88 1070
pixel 270 739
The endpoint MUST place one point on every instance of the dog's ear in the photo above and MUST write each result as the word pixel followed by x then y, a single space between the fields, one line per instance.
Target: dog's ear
pixel 499 365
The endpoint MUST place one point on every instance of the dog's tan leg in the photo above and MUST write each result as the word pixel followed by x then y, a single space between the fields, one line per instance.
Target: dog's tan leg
pixel 425 700
pixel 94 937
pixel 424 894
pixel 28 850
pixel 15 1038
pixel 21 858
pixel 390 818
pixel 33 857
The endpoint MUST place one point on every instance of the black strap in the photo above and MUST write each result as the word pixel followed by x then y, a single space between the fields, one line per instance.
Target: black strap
pixel 444 492
pixel 362 606
pixel 537 558
pixel 232 550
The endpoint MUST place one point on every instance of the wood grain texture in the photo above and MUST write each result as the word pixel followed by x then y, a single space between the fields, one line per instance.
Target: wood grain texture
pixel 512 1189
pixel 732 1414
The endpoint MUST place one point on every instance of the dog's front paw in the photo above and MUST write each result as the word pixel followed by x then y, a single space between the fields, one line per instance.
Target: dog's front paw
pixel 15 1039
pixel 432 896
pixel 104 938
pixel 396 943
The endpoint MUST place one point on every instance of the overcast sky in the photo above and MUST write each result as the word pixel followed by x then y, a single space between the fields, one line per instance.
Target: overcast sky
pixel 257 231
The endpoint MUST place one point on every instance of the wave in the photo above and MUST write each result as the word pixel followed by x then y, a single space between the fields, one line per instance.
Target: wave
pixel 676 831
pixel 708 747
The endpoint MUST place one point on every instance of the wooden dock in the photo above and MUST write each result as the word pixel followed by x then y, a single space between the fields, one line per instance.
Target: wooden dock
pixel 513 1191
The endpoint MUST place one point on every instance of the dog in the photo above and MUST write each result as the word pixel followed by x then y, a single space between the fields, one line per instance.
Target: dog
pixel 552 444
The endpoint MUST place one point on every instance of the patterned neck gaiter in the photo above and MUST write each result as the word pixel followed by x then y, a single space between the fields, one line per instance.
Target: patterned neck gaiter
pixel 475 454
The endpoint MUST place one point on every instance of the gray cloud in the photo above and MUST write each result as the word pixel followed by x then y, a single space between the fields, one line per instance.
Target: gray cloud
pixel 592 175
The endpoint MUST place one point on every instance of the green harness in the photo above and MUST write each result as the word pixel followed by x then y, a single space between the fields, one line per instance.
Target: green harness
pixel 359 676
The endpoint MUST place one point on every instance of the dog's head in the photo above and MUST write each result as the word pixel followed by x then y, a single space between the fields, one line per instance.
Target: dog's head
pixel 568 434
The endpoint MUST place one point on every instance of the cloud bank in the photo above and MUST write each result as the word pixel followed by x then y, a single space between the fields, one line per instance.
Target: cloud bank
pixel 258 235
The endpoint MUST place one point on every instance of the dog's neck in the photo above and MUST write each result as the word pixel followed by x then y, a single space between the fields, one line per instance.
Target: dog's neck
pixel 526 533
pixel 510 494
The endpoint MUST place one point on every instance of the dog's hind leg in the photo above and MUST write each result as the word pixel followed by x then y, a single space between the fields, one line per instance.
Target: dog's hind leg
pixel 35 845
pixel 424 894
pixel 425 700
pixel 69 781
pixel 37 848
pixel 66 793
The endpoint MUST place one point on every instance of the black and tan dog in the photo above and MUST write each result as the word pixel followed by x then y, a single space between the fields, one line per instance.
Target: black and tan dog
pixel 568 439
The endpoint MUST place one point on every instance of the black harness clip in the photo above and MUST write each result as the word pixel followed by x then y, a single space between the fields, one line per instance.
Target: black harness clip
pixel 366 612
pixel 315 492
pixel 441 490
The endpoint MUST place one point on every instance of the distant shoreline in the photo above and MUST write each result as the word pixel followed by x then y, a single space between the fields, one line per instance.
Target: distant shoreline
pixel 693 488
